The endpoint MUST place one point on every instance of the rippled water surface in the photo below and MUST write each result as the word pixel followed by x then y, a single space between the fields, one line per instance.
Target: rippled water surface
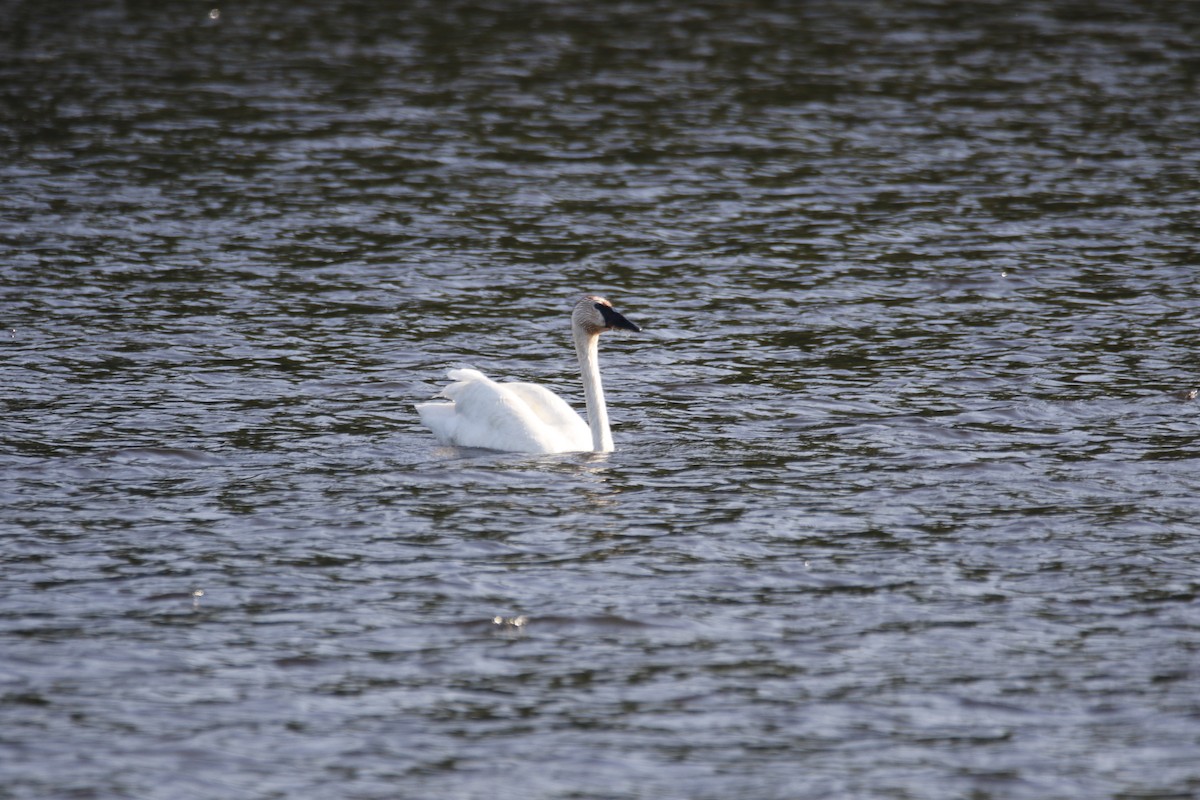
pixel 905 493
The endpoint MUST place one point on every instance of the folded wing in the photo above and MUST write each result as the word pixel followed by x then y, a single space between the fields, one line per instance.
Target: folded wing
pixel 515 417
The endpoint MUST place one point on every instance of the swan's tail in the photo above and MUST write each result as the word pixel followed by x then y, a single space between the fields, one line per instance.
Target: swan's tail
pixel 442 418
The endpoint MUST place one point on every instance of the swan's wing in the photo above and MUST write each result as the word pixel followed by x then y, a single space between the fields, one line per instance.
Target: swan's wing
pixel 554 412
pixel 493 415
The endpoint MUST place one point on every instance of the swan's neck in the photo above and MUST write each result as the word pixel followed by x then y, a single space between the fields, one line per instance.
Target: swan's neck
pixel 587 345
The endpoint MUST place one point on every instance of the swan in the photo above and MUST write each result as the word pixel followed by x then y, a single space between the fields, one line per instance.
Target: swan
pixel 526 417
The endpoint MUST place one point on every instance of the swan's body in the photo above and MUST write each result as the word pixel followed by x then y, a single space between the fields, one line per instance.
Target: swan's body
pixel 525 417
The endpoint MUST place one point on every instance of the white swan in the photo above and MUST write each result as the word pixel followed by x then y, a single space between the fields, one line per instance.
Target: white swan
pixel 525 417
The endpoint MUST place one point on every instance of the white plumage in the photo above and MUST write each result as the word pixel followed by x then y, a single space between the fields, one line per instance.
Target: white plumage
pixel 526 417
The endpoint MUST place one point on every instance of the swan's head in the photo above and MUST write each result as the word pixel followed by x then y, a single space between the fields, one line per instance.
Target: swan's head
pixel 595 315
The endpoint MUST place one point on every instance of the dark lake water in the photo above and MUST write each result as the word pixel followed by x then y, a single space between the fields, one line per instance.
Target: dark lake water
pixel 906 493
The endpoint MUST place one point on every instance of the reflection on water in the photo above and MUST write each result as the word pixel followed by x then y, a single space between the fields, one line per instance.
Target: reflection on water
pixel 904 496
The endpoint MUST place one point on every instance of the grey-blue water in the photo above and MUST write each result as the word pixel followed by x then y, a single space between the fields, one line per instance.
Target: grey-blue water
pixel 905 496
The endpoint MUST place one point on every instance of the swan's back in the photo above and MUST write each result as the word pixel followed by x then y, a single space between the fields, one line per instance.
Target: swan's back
pixel 516 417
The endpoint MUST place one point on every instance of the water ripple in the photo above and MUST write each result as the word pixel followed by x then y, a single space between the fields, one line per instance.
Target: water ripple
pixel 904 496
